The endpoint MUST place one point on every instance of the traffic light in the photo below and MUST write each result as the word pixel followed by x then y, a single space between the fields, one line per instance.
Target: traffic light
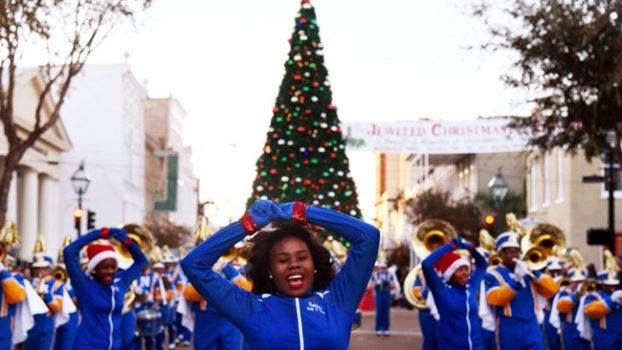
pixel 490 220
pixel 90 220
pixel 77 219
pixel 600 236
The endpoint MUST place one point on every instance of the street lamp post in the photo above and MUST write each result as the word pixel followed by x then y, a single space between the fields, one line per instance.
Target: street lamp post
pixel 610 181
pixel 80 181
pixel 498 188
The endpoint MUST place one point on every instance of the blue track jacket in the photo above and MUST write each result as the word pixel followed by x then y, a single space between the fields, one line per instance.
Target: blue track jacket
pixel 459 326
pixel 320 320
pixel 100 305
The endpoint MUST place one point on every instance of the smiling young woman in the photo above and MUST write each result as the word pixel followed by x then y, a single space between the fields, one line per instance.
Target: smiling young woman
pixel 296 302
pixel 100 290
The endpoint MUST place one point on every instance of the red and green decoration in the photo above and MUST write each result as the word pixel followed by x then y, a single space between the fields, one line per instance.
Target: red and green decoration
pixel 304 155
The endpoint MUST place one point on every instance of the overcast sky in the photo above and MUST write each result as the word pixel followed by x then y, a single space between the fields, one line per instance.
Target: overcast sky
pixel 388 60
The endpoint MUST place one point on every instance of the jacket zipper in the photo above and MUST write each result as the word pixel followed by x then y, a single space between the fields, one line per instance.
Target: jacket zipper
pixel 299 317
pixel 468 320
pixel 110 317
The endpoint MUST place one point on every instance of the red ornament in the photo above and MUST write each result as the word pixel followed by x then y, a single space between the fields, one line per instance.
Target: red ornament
pixel 275 109
pixel 273 171
pixel 273 158
pixel 331 106
pixel 301 129
pixel 315 84
pixel 297 77
pixel 333 155
pixel 305 162
pixel 307 111
pixel 302 20
pixel 321 181
pixel 307 182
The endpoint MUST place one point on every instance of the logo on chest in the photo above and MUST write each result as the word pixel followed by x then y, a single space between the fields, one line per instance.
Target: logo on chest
pixel 313 307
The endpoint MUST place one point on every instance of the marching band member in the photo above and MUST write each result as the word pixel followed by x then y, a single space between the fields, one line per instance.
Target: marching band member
pixel 383 283
pixel 100 290
pixel 552 338
pixel 455 294
pixel 568 306
pixel 11 294
pixel 211 330
pixel 428 318
pixel 50 290
pixel 605 316
pixel 511 289
pixel 296 302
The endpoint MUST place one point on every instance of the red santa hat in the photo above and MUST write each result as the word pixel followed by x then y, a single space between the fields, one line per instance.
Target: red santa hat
pixel 98 253
pixel 449 263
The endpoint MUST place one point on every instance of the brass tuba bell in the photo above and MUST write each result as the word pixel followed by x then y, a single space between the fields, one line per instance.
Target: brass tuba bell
pixel 547 237
pixel 430 235
pixel 139 234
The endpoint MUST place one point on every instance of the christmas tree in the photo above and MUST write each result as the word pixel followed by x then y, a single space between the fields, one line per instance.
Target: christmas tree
pixel 304 155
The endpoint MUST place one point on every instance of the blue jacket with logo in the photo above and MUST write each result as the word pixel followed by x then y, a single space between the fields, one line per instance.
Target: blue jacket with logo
pixel 459 326
pixel 100 305
pixel 12 292
pixel 319 320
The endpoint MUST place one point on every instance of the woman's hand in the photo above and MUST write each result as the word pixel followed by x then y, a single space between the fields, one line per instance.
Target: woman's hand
pixel 118 233
pixel 460 243
pixel 264 211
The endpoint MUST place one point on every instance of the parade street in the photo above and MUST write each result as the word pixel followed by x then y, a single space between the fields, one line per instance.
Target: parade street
pixel 405 332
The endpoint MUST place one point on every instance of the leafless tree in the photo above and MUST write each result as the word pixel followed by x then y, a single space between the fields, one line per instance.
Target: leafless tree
pixel 69 30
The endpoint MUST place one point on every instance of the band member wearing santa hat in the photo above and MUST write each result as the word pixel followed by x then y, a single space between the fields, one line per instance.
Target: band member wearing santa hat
pixel 11 294
pixel 296 302
pixel 455 294
pixel 511 289
pixel 100 290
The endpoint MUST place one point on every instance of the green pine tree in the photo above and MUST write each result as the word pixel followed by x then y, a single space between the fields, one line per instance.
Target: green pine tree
pixel 304 155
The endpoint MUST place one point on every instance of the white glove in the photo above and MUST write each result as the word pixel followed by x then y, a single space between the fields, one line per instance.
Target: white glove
pixel 1 266
pixel 617 297
pixel 520 271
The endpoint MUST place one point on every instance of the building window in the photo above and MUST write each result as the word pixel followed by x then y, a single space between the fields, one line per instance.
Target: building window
pixel 546 172
pixel 533 175
pixel 560 175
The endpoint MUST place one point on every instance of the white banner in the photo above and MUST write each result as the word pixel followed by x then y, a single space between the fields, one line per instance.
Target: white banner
pixel 434 137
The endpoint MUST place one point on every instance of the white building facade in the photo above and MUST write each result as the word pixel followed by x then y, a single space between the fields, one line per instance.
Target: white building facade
pixel 33 194
pixel 105 118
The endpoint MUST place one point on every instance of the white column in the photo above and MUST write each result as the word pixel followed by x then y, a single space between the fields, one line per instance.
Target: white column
pixel 48 213
pixel 28 216
pixel 11 213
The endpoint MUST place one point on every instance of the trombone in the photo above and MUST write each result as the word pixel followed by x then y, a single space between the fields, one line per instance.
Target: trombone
pixel 430 235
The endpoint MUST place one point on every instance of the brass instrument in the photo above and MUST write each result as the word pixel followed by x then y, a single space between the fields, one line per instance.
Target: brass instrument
pixel 536 258
pixel 9 236
pixel 547 237
pixel 495 259
pixel 486 241
pixel 539 243
pixel 414 300
pixel 59 272
pixel 129 297
pixel 203 229
pixel 430 235
pixel 139 234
